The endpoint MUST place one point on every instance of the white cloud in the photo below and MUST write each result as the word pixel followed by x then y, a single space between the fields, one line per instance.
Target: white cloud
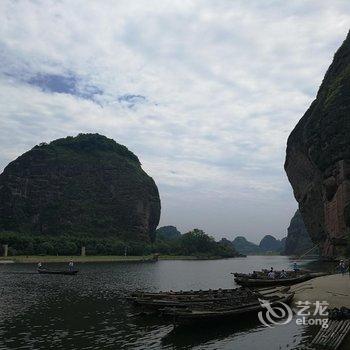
pixel 224 84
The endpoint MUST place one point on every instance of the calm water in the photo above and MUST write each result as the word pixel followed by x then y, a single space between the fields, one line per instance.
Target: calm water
pixel 89 311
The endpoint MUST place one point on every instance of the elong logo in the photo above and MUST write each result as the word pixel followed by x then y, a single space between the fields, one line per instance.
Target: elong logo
pixel 278 314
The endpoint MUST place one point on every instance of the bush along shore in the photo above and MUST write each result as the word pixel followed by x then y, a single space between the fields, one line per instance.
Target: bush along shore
pixel 193 244
pixel 34 259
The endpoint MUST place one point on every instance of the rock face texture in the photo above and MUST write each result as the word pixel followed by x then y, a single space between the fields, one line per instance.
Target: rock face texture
pixel 87 184
pixel 298 240
pixel 318 159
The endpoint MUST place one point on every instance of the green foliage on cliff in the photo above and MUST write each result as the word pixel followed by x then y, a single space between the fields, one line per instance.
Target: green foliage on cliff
pixel 88 144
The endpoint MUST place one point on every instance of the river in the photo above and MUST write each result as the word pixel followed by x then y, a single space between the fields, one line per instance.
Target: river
pixel 89 311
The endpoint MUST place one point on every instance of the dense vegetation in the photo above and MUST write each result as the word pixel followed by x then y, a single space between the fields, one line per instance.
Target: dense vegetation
pixel 86 144
pixel 193 243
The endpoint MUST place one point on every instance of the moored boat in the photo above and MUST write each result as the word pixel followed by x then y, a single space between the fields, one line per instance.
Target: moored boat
pixel 181 300
pixel 248 281
pixel 223 312
pixel 179 294
pixel 57 272
pixel 236 296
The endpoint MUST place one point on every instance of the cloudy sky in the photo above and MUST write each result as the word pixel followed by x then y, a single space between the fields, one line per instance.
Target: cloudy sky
pixel 204 92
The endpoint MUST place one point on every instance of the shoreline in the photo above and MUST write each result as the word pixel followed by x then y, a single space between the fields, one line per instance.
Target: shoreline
pixel 32 259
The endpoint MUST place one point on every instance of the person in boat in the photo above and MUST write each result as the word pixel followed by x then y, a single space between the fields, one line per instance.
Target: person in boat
pixel 271 270
pixel 283 274
pixel 271 274
pixel 40 265
pixel 295 267
pixel 71 266
pixel 254 275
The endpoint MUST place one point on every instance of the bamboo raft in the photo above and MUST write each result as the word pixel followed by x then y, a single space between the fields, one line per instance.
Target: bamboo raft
pixel 333 336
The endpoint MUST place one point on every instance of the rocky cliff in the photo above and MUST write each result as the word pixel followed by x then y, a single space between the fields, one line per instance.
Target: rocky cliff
pixel 168 233
pixel 298 240
pixel 87 184
pixel 318 159
pixel 271 244
pixel 243 246
pixel 268 244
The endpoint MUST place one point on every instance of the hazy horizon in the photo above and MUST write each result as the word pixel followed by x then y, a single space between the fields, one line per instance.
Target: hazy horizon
pixel 204 93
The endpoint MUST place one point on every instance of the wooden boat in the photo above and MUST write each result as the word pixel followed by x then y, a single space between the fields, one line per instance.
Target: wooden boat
pixel 191 315
pixel 57 272
pixel 179 294
pixel 263 273
pixel 260 282
pixel 234 297
pixel 188 301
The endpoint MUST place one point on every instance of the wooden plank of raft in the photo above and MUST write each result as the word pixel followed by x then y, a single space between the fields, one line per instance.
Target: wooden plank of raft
pixel 333 336
pixel 342 335
pixel 324 332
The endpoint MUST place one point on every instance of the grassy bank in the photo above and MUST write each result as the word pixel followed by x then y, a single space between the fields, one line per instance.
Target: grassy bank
pixel 31 259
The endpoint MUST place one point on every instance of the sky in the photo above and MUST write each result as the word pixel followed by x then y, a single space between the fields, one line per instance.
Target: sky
pixel 205 93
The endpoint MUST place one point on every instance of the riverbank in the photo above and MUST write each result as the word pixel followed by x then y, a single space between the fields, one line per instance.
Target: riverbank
pixel 334 289
pixel 31 259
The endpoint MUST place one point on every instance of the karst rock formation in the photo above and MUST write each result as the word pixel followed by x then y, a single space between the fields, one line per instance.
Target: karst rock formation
pixel 86 184
pixel 318 159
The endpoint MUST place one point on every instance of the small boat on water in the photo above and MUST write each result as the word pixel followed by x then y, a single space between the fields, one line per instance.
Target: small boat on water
pixel 248 281
pixel 57 272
